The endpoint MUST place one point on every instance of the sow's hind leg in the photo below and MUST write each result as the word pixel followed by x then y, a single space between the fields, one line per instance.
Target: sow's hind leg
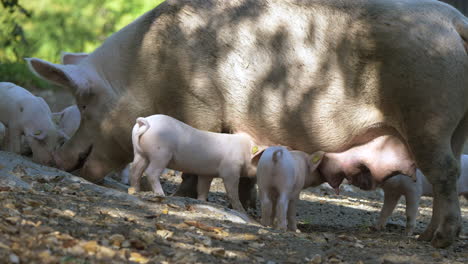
pixel 435 157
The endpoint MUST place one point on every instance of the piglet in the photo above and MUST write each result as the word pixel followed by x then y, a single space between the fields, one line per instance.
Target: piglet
pixel 281 175
pixel 399 185
pixel 25 114
pixel 160 142
pixel 68 120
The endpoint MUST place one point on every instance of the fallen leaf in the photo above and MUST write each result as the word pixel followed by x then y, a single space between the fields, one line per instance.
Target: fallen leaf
pixel 137 257
pixel 91 246
pixel 5 188
pixel 218 252
pixel 204 227
pixel 131 190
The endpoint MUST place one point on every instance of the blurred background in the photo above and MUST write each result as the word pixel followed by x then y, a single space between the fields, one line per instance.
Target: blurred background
pixel 45 28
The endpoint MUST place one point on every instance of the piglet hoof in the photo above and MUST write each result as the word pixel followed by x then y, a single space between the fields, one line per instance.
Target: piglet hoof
pixel 409 231
pixel 161 194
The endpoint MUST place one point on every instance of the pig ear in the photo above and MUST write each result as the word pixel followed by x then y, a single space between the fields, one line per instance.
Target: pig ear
pixel 256 153
pixel 37 134
pixel 315 159
pixel 64 75
pixel 72 58
pixel 56 117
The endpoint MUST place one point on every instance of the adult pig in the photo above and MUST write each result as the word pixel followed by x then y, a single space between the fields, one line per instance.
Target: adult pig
pixel 313 75
pixel 2 134
pixel 25 114
pixel 400 185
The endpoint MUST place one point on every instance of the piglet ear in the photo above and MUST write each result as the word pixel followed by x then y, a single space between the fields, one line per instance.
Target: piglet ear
pixel 37 134
pixel 56 117
pixel 315 159
pixel 256 153
pixel 72 58
pixel 70 76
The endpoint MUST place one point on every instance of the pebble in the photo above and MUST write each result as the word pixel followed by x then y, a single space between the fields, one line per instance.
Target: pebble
pixel 14 258
pixel 317 259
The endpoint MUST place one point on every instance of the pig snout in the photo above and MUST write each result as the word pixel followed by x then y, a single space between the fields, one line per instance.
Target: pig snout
pixel 44 158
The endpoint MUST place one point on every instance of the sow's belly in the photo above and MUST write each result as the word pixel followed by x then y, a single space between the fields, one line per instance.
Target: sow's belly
pixel 370 162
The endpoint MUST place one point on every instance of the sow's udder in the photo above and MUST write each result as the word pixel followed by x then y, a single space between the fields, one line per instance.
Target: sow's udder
pixel 368 164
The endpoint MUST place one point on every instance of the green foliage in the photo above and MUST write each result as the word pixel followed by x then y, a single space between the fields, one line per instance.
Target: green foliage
pixel 45 28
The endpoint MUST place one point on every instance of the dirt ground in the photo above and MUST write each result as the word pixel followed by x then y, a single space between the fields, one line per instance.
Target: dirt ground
pixel 62 219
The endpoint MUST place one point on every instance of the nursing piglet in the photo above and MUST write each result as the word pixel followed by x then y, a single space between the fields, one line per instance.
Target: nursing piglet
pixel 160 142
pixel 22 113
pixel 281 175
pixel 400 185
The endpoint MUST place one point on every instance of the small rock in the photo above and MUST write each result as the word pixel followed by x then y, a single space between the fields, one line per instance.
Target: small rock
pixel 116 239
pixel 218 252
pixel 76 250
pixel 317 259
pixel 75 186
pixel 358 245
pixel 69 213
pixel 126 244
pixel 14 258
pixel 436 254
pixel 13 220
pixel 105 252
pixel 164 233
pixel 262 231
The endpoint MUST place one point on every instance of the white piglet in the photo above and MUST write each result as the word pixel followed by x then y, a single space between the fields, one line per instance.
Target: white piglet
pixel 24 114
pixel 160 142
pixel 281 175
pixel 68 120
pixel 400 185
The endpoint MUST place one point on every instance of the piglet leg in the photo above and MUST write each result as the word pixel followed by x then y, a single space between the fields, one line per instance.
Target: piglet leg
pixel 412 205
pixel 154 171
pixel 266 204
pixel 13 140
pixel 292 223
pixel 231 184
pixel 390 201
pixel 281 211
pixel 137 168
pixel 203 187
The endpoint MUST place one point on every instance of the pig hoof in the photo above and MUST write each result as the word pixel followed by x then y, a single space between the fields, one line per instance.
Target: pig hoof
pixel 442 240
pixel 426 235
